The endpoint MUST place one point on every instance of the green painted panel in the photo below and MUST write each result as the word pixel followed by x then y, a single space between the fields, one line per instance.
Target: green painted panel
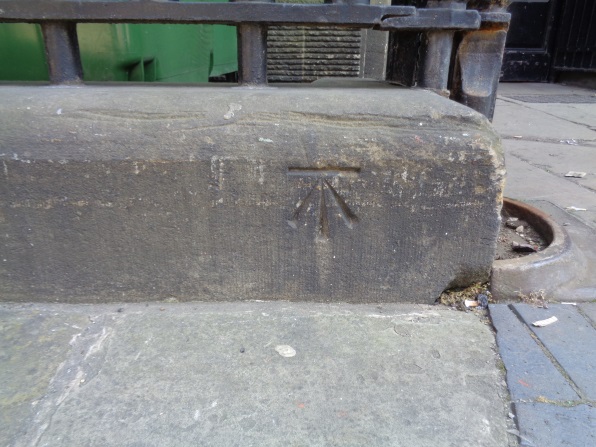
pixel 22 53
pixel 127 52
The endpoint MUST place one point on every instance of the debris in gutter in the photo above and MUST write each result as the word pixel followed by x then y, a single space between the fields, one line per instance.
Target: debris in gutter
pixel 482 300
pixel 527 248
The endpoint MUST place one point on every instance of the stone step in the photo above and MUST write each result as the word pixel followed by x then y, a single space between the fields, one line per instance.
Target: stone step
pixel 136 193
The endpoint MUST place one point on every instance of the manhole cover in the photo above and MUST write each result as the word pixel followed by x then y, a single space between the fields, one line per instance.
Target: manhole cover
pixel 565 99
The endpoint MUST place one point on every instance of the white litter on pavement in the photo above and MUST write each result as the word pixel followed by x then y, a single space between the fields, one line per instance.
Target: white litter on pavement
pixel 575 208
pixel 542 323
pixel 285 350
pixel 575 174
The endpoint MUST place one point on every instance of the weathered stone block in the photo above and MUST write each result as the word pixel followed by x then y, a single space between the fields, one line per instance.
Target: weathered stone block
pixel 227 193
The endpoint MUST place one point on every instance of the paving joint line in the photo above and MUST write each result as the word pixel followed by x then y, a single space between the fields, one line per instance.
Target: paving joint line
pixel 541 167
pixel 558 403
pixel 586 317
pixel 580 142
pixel 550 356
pixel 521 103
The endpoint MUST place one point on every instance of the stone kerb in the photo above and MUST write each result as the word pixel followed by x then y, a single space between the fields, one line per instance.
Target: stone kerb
pixel 217 193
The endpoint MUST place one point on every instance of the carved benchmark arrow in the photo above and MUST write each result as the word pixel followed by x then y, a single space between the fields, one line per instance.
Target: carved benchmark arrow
pixel 322 183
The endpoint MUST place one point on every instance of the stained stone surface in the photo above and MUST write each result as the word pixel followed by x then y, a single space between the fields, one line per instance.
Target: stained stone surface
pixel 211 374
pixel 299 193
pixel 33 344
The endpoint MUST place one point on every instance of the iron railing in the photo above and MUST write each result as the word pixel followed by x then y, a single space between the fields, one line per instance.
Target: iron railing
pixel 443 23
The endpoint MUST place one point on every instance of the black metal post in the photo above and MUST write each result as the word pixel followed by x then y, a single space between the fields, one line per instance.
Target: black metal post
pixel 436 59
pixel 437 48
pixel 62 52
pixel 252 50
pixel 252 54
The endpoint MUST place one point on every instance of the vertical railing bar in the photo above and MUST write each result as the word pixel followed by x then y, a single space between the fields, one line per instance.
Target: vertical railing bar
pixel 62 52
pixel 437 50
pixel 252 50
pixel 252 54
pixel 436 60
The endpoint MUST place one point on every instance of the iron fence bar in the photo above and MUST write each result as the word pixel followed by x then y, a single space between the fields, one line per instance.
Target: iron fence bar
pixel 438 48
pixel 58 19
pixel 436 60
pixel 252 50
pixel 434 18
pixel 62 52
pixel 252 54
pixel 234 13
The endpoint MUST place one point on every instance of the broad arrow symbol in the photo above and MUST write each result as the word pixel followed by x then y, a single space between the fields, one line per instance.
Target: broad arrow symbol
pixel 321 185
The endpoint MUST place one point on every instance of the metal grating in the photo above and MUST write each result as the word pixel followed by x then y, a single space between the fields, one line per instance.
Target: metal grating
pixel 554 99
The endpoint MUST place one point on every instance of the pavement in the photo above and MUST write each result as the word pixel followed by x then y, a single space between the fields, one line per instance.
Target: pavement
pixel 550 371
pixel 249 374
pixel 549 130
pixel 294 374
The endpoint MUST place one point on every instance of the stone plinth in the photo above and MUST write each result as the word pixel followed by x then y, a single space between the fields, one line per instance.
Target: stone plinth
pixel 137 193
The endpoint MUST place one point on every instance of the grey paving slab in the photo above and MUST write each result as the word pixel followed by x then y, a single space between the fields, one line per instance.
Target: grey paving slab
pixel 526 182
pixel 211 374
pixel 589 309
pixel 578 112
pixel 584 114
pixel 517 119
pixel 557 159
pixel 32 345
pixel 546 425
pixel 571 340
pixel 530 374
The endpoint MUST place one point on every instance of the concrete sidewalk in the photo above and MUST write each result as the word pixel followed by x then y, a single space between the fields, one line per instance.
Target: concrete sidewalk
pixel 269 374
